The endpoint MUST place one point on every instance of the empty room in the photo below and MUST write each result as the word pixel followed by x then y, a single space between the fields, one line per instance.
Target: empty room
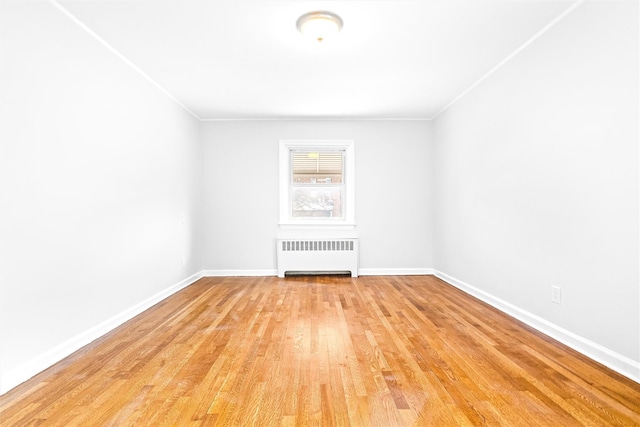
pixel 332 213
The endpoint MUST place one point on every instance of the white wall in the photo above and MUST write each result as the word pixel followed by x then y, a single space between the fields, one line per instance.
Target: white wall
pixel 393 209
pixel 537 183
pixel 100 186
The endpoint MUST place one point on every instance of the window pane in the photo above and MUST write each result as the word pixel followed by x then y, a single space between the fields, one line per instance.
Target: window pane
pixel 316 202
pixel 317 167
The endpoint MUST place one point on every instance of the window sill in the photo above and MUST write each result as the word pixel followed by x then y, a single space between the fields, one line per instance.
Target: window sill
pixel 346 230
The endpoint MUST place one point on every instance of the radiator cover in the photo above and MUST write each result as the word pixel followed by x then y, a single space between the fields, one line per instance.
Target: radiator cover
pixel 317 255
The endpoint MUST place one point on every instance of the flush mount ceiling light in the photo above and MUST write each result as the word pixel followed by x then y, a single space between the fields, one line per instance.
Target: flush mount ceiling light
pixel 319 25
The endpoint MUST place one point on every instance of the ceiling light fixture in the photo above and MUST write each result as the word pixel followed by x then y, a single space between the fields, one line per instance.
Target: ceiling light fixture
pixel 319 25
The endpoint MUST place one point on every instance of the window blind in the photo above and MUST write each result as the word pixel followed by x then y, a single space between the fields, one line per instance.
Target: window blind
pixel 314 162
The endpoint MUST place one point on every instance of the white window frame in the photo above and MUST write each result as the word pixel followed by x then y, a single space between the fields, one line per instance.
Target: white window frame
pixel 348 146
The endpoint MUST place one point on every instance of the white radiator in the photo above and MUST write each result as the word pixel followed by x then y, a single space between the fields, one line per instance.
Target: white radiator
pixel 317 256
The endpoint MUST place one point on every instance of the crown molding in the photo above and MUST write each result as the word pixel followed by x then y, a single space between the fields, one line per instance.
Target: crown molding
pixel 117 53
pixel 319 119
pixel 509 57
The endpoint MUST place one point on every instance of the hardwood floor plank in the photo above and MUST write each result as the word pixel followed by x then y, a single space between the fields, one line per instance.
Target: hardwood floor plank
pixel 323 351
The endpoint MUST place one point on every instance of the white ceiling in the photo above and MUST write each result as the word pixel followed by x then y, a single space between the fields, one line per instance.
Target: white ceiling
pixel 244 59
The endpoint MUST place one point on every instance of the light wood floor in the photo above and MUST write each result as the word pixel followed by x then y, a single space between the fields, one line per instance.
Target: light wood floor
pixel 371 351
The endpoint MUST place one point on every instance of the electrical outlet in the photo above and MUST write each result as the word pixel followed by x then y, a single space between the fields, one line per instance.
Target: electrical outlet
pixel 556 294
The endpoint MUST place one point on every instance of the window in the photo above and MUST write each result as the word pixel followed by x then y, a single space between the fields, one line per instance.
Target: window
pixel 316 182
pixel 316 186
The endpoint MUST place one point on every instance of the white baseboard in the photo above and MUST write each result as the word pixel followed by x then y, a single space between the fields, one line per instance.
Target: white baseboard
pixel 623 365
pixel 22 373
pixel 361 272
pixel 395 271
pixel 239 273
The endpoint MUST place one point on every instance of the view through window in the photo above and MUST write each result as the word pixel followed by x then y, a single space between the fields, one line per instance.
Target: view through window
pixel 317 184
